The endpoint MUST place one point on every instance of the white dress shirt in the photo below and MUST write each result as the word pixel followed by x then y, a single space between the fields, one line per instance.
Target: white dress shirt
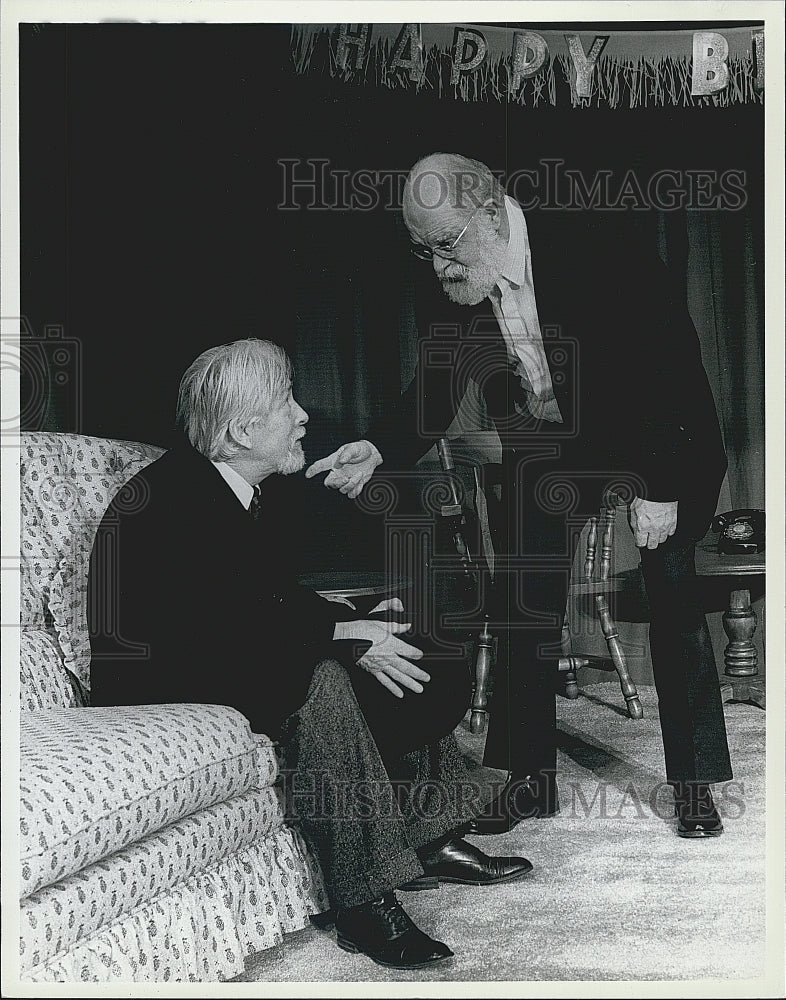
pixel 513 302
pixel 243 491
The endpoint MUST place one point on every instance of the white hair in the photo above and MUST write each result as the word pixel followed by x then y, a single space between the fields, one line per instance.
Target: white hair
pixel 238 381
pixel 453 180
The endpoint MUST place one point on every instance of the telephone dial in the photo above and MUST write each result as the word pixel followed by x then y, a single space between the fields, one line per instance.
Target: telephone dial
pixel 741 532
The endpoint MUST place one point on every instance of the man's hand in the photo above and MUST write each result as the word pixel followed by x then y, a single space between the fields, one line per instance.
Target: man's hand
pixel 351 467
pixel 391 604
pixel 652 522
pixel 337 599
pixel 386 657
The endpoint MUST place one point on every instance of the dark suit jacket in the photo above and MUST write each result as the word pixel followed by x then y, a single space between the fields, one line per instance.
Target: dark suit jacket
pixel 190 600
pixel 625 363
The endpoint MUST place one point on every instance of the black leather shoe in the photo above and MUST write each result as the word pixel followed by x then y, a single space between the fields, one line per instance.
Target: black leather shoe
pixel 458 861
pixel 519 799
pixel 384 932
pixel 695 811
pixel 324 921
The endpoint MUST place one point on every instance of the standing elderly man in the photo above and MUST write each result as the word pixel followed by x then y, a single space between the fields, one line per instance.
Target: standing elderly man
pixel 205 582
pixel 591 371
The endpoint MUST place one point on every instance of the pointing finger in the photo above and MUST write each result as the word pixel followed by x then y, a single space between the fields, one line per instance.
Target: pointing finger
pixel 322 465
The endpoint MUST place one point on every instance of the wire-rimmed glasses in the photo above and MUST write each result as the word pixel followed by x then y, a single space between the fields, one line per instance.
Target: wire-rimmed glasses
pixel 422 252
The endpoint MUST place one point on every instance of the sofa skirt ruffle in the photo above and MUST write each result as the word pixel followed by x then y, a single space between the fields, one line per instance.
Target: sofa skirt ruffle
pixel 201 929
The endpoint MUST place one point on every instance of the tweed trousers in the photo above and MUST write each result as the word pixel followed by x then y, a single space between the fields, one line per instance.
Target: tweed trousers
pixel 365 815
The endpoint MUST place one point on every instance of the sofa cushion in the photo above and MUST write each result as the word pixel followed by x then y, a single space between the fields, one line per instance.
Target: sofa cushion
pixel 93 780
pixel 43 683
pixel 67 482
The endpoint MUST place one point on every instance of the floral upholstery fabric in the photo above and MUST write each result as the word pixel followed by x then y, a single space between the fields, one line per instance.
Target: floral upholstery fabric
pixel 93 780
pixel 208 890
pixel 43 683
pixel 67 482
pixel 37 569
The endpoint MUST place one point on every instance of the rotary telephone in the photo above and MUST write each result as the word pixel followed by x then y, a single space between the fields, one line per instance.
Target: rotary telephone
pixel 741 532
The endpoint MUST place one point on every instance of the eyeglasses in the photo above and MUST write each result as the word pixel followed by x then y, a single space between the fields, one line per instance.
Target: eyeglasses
pixel 448 251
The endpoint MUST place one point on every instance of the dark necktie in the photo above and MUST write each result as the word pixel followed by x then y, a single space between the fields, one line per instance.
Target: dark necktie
pixel 254 507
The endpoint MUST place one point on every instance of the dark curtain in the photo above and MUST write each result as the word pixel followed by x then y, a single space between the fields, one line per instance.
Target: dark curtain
pixel 153 227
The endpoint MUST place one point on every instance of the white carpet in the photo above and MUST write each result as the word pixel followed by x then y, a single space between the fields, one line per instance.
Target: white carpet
pixel 615 894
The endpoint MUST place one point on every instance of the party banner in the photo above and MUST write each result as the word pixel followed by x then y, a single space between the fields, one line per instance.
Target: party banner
pixel 536 66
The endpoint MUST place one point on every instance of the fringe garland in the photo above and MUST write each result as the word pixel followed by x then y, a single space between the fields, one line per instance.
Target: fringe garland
pixel 616 83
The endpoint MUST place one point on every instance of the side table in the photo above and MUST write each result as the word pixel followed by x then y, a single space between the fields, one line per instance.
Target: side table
pixel 740 658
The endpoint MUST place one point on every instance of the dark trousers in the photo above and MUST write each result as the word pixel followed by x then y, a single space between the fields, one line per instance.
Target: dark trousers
pixel 523 719
pixel 529 525
pixel 533 556
pixel 683 662
pixel 372 778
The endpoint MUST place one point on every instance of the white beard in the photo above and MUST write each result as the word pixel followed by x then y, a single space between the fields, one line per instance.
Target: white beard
pixel 476 282
pixel 475 286
pixel 294 461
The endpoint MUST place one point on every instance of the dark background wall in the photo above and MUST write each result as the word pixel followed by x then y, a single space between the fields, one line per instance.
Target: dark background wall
pixel 151 229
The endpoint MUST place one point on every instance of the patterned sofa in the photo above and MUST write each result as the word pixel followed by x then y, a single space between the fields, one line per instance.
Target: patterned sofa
pixel 153 844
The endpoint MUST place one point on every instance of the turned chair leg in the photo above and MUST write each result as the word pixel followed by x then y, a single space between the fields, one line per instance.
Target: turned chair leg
pixel 612 637
pixel 479 716
pixel 571 684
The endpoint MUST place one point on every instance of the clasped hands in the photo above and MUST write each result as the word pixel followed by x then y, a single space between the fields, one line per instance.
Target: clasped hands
pixel 389 658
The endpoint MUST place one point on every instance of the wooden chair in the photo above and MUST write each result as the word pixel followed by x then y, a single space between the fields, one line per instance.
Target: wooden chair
pixel 598 585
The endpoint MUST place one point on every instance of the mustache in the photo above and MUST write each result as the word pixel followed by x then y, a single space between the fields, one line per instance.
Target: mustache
pixel 454 276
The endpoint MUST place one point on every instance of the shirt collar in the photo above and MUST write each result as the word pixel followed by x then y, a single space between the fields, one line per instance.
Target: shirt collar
pixel 243 490
pixel 514 267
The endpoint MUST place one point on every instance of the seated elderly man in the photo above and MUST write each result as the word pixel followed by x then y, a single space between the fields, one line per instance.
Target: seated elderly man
pixel 204 586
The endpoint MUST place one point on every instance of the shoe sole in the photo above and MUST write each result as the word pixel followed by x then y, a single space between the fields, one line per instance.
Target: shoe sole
pixel 506 828
pixel 490 833
pixel 353 949
pixel 434 881
pixel 420 884
pixel 698 834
